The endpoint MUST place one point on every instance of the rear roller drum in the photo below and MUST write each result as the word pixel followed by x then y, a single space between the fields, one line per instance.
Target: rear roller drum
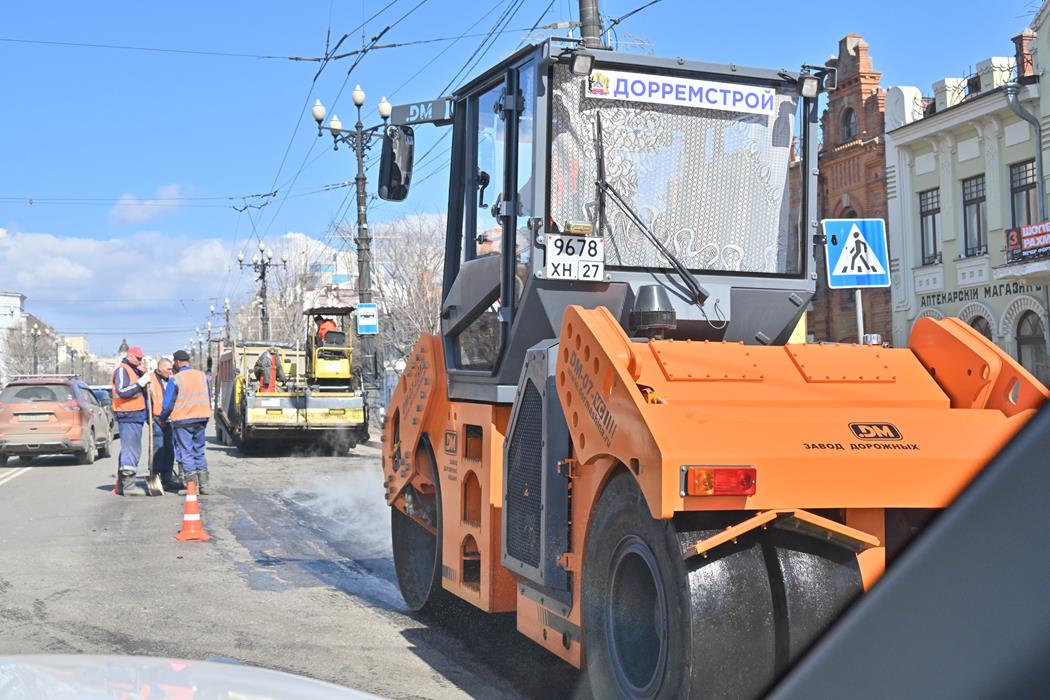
pixel 660 626
pixel 813 582
pixel 417 551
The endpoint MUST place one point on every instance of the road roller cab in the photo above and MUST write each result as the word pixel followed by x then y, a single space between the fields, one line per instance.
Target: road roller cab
pixel 610 435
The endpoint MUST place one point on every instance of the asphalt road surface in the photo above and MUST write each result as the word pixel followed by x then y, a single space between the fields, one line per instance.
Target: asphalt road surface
pixel 297 577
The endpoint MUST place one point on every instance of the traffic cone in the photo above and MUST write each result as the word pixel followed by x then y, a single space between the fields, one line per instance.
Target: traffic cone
pixel 191 516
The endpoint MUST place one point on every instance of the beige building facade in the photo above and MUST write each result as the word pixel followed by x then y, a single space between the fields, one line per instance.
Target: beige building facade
pixel 961 173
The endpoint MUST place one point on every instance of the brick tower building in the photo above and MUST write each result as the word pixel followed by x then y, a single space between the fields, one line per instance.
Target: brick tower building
pixel 852 185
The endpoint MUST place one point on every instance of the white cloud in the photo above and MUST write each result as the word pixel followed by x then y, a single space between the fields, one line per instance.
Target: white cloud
pixel 131 210
pixel 144 282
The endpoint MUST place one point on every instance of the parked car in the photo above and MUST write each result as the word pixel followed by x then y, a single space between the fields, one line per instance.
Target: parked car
pixel 52 414
pixel 104 394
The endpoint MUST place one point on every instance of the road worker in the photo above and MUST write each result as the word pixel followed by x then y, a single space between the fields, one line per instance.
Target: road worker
pixel 130 383
pixel 323 326
pixel 268 370
pixel 188 406
pixel 163 436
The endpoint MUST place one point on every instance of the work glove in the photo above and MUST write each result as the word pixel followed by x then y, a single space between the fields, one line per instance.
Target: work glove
pixel 143 381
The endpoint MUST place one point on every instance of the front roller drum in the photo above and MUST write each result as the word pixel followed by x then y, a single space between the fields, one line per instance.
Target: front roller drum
pixel 417 551
pixel 657 625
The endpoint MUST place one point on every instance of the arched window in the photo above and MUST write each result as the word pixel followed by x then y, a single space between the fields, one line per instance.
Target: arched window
pixel 1031 344
pixel 982 326
pixel 847 125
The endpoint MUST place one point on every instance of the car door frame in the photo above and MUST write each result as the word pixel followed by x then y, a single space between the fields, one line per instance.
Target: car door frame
pixel 99 420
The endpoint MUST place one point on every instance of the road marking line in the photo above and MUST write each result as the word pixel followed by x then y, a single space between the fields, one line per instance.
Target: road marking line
pixel 11 476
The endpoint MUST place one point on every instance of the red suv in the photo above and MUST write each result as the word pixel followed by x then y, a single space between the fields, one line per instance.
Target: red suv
pixel 52 415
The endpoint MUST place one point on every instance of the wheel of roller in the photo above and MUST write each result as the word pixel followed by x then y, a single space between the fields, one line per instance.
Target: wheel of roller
pixel 812 582
pixel 417 551
pixel 660 626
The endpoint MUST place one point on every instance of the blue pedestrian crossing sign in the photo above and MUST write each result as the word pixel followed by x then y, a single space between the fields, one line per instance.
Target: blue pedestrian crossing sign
pixel 856 253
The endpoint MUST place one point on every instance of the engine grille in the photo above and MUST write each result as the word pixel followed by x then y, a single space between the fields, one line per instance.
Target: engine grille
pixel 524 468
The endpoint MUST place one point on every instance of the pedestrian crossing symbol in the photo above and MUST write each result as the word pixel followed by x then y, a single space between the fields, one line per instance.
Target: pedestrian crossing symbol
pixel 856 253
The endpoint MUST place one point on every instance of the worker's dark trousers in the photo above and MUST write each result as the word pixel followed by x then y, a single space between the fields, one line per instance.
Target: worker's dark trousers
pixel 130 445
pixel 163 450
pixel 190 440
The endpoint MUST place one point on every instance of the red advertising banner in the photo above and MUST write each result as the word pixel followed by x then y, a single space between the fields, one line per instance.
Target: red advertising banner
pixel 1028 242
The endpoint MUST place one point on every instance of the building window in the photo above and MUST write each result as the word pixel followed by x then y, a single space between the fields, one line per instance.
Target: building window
pixel 973 85
pixel 975 218
pixel 1024 204
pixel 848 125
pixel 982 326
pixel 1031 344
pixel 929 225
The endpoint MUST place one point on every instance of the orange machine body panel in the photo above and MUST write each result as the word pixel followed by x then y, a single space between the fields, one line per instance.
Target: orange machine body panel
pixel 466 440
pixel 826 426
pixel 855 428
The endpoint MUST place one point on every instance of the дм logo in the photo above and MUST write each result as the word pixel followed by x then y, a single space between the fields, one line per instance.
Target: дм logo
pixel 451 442
pixel 875 431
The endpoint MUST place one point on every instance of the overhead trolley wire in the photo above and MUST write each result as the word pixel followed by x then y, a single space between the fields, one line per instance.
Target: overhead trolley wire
pixel 360 57
pixel 614 22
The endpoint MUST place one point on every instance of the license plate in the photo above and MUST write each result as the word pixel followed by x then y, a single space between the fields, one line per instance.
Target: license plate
pixel 34 417
pixel 575 257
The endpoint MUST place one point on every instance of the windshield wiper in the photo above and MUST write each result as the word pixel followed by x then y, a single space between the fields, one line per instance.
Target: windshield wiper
pixel 602 187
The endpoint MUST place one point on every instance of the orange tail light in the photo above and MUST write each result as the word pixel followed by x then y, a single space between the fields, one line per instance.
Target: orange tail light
pixel 720 481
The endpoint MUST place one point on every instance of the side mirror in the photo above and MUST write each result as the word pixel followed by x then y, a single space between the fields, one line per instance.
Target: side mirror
pixel 395 166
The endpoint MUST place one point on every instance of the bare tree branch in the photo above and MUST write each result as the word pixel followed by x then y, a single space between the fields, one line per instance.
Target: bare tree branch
pixel 409 257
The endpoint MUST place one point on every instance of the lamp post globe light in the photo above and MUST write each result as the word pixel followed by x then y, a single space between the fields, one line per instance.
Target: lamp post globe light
pixel 261 263
pixel 360 140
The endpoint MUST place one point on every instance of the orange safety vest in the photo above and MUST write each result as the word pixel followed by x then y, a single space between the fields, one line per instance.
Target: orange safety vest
pixel 191 403
pixel 130 404
pixel 156 393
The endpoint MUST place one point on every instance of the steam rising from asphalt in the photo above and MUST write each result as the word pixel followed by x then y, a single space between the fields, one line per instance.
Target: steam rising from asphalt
pixel 351 506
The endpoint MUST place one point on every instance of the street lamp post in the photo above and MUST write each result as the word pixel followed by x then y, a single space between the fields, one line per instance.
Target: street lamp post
pixel 207 363
pixel 35 333
pixel 226 320
pixel 360 139
pixel 261 263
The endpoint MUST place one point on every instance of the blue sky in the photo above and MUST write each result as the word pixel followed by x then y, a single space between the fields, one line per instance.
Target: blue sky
pixel 153 144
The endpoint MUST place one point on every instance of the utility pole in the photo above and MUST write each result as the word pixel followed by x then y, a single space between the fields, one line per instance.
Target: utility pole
pixel 590 24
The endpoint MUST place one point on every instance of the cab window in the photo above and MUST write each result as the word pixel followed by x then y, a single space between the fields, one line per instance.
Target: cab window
pixel 490 141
